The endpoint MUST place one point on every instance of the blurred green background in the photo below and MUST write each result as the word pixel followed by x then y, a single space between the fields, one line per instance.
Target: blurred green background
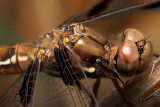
pixel 7 34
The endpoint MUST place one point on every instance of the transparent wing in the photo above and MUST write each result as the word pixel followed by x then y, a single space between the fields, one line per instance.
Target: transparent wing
pixel 69 89
pixel 8 97
pixel 103 6
pixel 53 92
pixel 22 91
pixel 145 17
pixel 63 88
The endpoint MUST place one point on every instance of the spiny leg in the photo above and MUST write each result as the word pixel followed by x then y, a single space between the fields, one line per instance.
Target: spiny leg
pixel 154 63
pixel 95 90
pixel 143 100
pixel 153 66
pixel 120 91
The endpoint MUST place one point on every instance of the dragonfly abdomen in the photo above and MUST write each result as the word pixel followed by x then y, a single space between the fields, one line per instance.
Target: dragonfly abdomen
pixel 15 58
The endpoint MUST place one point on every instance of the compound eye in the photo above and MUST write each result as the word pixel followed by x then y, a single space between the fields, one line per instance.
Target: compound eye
pixel 133 34
pixel 127 62
pixel 128 51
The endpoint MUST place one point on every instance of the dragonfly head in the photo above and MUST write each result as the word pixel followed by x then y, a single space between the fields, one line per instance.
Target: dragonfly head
pixel 133 53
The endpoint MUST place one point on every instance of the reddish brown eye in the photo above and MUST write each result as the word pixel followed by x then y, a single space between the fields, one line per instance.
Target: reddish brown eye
pixel 133 34
pixel 128 51
pixel 127 62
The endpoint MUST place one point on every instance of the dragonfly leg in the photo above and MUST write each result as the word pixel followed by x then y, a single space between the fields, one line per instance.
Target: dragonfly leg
pixel 143 100
pixel 155 62
pixel 96 87
pixel 126 100
pixel 121 92
pixel 156 55
pixel 95 90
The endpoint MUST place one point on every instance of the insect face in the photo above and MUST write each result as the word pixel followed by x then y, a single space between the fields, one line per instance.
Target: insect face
pixel 134 53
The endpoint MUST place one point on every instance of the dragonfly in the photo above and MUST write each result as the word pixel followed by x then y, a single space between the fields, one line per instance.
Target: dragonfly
pixel 82 47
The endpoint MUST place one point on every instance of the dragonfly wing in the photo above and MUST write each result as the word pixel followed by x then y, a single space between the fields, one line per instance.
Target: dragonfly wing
pixel 22 91
pixel 87 87
pixel 103 6
pixel 8 97
pixel 144 17
pixel 68 89
pixel 71 89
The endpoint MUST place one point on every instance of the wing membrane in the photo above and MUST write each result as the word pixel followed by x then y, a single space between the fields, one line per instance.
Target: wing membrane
pixel 143 17
pixel 102 7
pixel 77 92
pixel 8 97
pixel 21 92
pixel 89 89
